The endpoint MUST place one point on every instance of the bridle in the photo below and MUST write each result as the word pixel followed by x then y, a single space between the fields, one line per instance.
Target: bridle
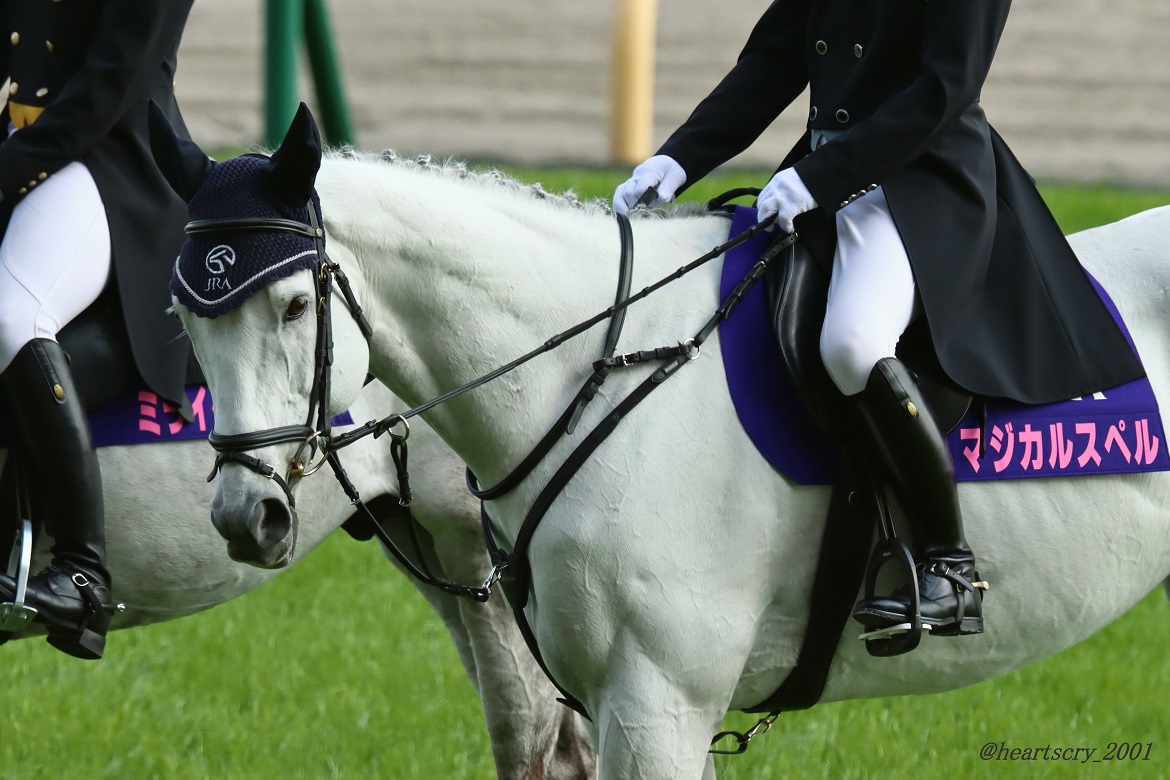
pixel 313 438
pixel 317 444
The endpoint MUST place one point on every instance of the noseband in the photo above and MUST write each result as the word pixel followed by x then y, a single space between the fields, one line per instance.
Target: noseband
pixel 314 439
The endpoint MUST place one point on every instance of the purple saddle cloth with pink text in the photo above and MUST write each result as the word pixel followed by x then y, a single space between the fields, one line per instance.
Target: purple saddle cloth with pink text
pixel 1113 432
pixel 142 417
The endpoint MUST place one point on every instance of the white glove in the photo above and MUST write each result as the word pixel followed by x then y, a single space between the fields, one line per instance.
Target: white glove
pixel 660 172
pixel 785 196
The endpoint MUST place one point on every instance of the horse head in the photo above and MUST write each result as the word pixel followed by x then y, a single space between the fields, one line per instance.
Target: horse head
pixel 252 290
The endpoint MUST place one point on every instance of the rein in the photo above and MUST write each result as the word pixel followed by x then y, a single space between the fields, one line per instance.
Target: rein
pixel 318 445
pixel 378 427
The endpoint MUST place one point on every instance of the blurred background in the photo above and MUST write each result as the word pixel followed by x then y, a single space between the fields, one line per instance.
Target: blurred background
pixel 1080 88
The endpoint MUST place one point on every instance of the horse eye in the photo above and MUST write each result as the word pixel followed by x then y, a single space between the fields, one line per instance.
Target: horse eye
pixel 296 307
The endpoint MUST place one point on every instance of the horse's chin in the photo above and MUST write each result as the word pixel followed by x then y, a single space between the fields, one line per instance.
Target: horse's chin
pixel 275 556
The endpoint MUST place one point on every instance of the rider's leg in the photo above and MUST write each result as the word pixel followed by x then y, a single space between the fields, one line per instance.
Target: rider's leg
pixel 54 262
pixel 871 302
pixel 905 440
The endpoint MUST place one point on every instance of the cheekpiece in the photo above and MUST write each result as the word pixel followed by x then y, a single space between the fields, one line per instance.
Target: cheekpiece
pixel 218 271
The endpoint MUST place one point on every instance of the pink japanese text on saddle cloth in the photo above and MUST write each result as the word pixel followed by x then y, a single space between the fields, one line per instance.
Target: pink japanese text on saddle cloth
pixel 1113 432
pixel 142 417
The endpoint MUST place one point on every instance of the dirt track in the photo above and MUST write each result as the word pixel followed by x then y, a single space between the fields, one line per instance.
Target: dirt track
pixel 1080 88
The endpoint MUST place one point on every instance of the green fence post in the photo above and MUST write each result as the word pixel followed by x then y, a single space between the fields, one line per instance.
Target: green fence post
pixel 326 74
pixel 283 21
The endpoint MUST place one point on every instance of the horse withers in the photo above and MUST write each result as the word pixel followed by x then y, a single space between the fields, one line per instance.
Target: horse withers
pixel 670 580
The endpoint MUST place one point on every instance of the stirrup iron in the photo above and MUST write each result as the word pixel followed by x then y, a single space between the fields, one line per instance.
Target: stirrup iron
pixel 903 637
pixel 16 615
pixel 889 632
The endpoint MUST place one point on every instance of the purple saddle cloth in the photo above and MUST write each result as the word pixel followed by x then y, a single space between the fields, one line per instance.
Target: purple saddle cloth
pixel 142 417
pixel 1113 432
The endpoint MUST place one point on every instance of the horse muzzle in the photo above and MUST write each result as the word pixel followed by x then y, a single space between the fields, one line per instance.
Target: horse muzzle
pixel 260 530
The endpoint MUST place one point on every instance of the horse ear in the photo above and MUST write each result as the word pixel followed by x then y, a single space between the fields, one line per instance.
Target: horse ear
pixel 181 161
pixel 293 168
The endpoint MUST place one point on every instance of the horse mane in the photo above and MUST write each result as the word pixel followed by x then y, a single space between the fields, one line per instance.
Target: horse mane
pixel 493 178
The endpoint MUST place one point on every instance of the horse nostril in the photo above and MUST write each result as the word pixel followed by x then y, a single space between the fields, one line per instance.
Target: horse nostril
pixel 273 523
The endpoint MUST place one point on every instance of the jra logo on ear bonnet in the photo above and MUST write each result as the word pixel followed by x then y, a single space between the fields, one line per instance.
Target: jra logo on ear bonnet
pixel 216 272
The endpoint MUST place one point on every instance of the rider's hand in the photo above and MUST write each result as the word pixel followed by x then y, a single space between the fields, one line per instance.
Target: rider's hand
pixel 785 196
pixel 660 172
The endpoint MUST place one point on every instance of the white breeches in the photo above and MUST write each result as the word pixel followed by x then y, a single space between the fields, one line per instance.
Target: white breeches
pixel 871 293
pixel 54 259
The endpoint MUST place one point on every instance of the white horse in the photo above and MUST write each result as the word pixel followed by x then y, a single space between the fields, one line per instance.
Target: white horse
pixel 671 578
pixel 167 561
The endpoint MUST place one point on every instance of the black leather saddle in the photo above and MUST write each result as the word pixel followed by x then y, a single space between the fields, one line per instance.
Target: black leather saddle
pixel 797 287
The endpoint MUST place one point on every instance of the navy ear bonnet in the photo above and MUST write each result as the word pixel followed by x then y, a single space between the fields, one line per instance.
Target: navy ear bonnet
pixel 217 272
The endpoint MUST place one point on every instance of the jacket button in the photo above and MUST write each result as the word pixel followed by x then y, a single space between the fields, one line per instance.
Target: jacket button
pixel 842 204
pixel 872 187
pixel 42 91
pixel 15 38
pixel 32 183
pixel 842 115
pixel 42 175
pixel 49 46
pixel 812 115
pixel 822 47
pixel 12 88
pixel 857 50
pixel 23 190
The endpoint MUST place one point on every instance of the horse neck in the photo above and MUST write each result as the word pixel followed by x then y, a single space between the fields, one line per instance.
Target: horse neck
pixel 459 283
pixel 465 277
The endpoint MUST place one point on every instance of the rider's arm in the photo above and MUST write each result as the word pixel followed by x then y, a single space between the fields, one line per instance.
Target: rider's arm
pixel 771 72
pixel 133 38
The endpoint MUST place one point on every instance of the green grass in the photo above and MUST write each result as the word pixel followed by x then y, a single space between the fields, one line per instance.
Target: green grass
pixel 338 669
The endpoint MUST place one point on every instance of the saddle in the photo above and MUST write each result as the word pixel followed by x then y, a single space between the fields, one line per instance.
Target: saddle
pixel 796 291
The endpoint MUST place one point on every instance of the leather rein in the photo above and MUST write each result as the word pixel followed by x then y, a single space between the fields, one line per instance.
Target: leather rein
pixel 318 444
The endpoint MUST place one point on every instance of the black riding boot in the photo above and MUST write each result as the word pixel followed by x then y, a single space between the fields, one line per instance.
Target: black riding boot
pixel 71 596
pixel 908 449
